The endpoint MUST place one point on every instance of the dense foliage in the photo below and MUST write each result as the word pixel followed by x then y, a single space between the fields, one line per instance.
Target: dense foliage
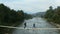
pixel 53 14
pixel 28 16
pixel 9 16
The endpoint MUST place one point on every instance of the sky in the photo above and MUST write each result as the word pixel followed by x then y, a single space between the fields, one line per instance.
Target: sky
pixel 31 6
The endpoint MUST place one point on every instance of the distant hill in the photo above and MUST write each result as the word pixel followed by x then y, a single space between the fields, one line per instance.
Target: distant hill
pixel 39 14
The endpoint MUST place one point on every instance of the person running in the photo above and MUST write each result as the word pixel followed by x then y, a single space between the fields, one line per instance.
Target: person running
pixel 24 25
pixel 34 25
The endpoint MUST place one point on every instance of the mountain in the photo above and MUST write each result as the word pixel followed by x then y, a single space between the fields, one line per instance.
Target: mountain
pixel 39 14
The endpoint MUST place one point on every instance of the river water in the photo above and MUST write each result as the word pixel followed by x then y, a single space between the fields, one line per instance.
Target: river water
pixel 39 23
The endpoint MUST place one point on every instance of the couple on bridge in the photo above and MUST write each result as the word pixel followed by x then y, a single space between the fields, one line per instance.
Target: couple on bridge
pixel 26 25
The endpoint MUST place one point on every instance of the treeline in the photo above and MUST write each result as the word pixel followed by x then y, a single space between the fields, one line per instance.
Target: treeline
pixel 10 16
pixel 53 15
pixel 28 16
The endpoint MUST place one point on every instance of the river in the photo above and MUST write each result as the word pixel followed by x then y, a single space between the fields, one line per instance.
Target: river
pixel 39 23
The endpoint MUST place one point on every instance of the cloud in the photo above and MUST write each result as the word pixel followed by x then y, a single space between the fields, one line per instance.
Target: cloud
pixel 31 6
pixel 57 2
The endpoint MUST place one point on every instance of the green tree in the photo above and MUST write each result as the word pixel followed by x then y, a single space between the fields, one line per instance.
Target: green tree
pixel 10 16
pixel 53 15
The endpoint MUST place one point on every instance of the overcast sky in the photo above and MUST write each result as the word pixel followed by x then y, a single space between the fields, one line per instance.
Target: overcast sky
pixel 31 6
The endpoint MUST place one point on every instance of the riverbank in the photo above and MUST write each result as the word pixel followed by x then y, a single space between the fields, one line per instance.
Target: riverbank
pixel 5 30
pixel 55 24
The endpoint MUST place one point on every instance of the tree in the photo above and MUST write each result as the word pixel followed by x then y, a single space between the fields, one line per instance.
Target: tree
pixel 10 16
pixel 53 15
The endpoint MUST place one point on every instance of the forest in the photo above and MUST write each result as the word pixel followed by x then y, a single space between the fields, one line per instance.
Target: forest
pixel 11 17
pixel 53 15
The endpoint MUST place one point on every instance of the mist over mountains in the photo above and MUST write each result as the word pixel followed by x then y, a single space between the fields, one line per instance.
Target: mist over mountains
pixel 39 14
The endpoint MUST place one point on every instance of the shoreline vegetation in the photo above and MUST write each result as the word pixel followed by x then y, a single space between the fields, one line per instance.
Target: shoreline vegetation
pixel 11 17
pixel 53 15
